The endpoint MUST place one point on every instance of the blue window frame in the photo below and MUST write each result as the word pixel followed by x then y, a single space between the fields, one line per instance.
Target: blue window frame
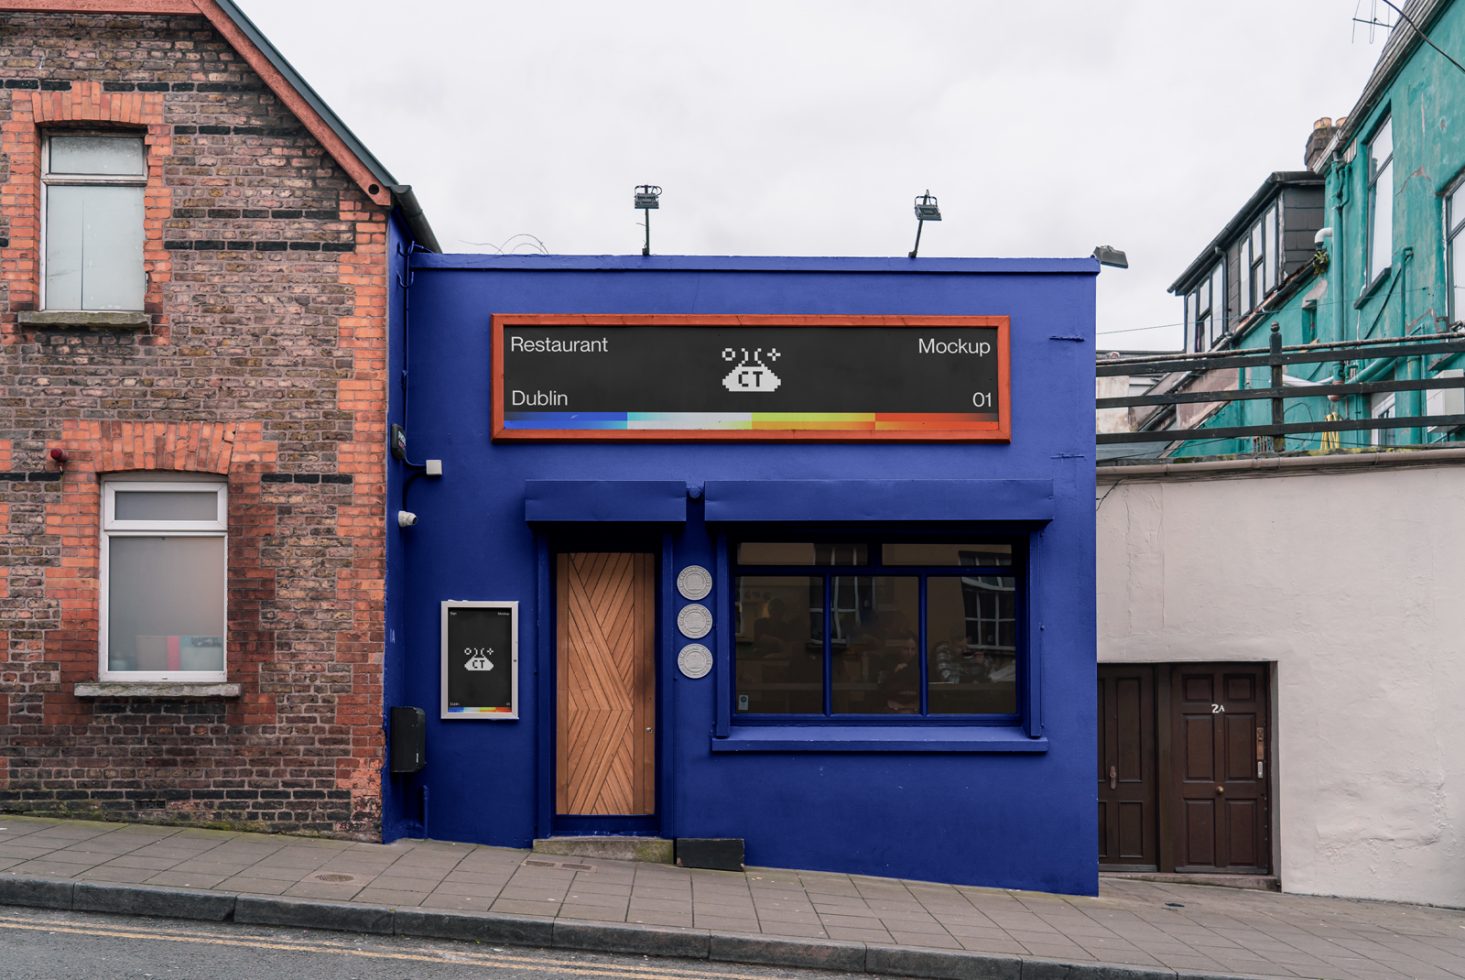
pixel 869 631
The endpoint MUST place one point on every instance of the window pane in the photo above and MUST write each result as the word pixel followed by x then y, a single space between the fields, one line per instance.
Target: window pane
pixel 112 275
pixel 1457 276
pixel 1381 229
pixel 1269 249
pixel 163 505
pixel 874 626
pixel 800 553
pixel 1381 148
pixel 165 603
pixel 947 554
pixel 110 156
pixel 971 632
pixel 1455 252
pixel 65 224
pixel 780 644
pixel 1244 299
pixel 94 242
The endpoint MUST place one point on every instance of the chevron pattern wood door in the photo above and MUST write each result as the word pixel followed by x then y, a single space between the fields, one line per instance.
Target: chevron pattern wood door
pixel 605 729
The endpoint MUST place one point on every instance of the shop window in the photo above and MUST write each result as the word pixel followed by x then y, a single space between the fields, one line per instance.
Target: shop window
pixel 1455 250
pixel 1381 200
pixel 892 630
pixel 164 547
pixel 92 199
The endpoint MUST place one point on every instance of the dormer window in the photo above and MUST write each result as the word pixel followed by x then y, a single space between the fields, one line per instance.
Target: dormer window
pixel 1258 261
pixel 92 201
pixel 1204 311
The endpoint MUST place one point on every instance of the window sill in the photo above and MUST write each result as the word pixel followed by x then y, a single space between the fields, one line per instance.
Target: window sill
pixel 869 738
pixel 1372 288
pixel 85 319
pixel 155 690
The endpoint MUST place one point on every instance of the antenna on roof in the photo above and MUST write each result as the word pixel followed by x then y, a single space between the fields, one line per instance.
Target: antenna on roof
pixel 1371 21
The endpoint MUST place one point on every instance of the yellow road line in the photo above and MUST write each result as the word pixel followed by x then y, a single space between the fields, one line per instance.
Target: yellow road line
pixel 473 958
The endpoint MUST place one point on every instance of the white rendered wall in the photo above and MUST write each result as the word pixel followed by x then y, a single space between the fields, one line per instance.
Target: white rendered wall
pixel 1353 583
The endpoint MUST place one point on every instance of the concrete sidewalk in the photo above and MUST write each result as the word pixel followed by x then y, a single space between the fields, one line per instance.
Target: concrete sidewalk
pixel 844 922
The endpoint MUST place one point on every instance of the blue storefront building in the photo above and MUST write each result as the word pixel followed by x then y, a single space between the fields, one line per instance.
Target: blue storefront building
pixel 797 553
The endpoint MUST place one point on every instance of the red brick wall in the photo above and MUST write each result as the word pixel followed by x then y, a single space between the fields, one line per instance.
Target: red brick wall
pixel 265 361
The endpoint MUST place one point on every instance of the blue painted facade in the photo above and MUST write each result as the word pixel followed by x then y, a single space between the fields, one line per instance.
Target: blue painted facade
pixel 1008 802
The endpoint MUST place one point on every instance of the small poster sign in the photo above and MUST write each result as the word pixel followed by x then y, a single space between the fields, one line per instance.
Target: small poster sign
pixel 480 660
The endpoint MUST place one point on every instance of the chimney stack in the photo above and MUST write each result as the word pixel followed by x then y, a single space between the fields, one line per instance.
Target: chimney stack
pixel 1318 140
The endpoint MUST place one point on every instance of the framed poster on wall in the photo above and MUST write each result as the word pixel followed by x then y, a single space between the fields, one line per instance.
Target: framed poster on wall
pixel 480 660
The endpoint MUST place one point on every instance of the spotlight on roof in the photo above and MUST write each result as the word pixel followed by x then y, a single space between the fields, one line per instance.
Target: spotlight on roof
pixel 1109 255
pixel 926 210
pixel 648 199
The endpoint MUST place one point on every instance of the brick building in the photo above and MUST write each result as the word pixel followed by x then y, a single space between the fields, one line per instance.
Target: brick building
pixel 194 266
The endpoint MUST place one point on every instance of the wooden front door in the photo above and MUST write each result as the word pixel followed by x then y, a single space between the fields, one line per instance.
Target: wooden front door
pixel 1219 716
pixel 1128 819
pixel 606 679
pixel 1184 768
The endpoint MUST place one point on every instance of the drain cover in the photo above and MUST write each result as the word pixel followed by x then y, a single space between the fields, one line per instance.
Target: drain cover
pixel 562 865
pixel 331 877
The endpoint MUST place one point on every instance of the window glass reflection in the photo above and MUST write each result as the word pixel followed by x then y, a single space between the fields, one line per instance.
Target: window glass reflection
pixel 780 644
pixel 875 623
pixel 801 553
pixel 946 553
pixel 971 631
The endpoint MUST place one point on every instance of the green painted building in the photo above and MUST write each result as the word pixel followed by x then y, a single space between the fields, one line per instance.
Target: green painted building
pixel 1367 243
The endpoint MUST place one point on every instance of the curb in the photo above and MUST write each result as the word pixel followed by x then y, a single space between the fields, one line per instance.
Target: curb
pixel 66 894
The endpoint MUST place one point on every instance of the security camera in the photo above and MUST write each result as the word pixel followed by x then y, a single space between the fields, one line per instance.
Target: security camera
pixel 405 518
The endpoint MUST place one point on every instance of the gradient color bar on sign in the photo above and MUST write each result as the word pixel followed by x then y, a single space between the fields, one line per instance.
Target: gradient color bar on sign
pixel 750 421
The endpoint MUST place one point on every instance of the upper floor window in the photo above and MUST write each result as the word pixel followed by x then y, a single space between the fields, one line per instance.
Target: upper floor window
pixel 877 629
pixel 1205 310
pixel 1381 200
pixel 92 199
pixel 1382 405
pixel 1258 262
pixel 164 550
pixel 1455 250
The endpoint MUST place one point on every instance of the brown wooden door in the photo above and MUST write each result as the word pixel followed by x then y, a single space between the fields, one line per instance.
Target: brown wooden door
pixel 605 730
pixel 1128 824
pixel 1219 771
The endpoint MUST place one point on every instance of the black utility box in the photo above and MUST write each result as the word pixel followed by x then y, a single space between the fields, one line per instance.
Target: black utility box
pixel 408 745
pixel 713 853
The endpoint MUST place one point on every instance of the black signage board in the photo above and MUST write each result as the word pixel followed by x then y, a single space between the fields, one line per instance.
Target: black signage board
pixel 750 377
pixel 480 660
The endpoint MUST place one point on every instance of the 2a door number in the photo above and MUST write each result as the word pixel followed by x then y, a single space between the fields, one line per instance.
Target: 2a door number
pixel 1218 709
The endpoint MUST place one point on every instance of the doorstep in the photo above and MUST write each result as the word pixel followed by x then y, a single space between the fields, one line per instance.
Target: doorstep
pixel 1262 883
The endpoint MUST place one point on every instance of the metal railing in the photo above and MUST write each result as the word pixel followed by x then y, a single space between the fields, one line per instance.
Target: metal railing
pixel 1276 358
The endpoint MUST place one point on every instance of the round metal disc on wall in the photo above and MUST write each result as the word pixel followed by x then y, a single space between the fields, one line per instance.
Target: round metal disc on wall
pixel 694 660
pixel 694 582
pixel 695 621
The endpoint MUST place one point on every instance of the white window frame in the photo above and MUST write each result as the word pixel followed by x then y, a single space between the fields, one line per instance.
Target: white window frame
pixel 112 527
pixel 1454 218
pixel 1383 405
pixel 49 180
pixel 1373 178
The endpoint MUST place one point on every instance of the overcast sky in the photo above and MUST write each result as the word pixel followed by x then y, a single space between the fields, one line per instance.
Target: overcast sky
pixel 806 127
